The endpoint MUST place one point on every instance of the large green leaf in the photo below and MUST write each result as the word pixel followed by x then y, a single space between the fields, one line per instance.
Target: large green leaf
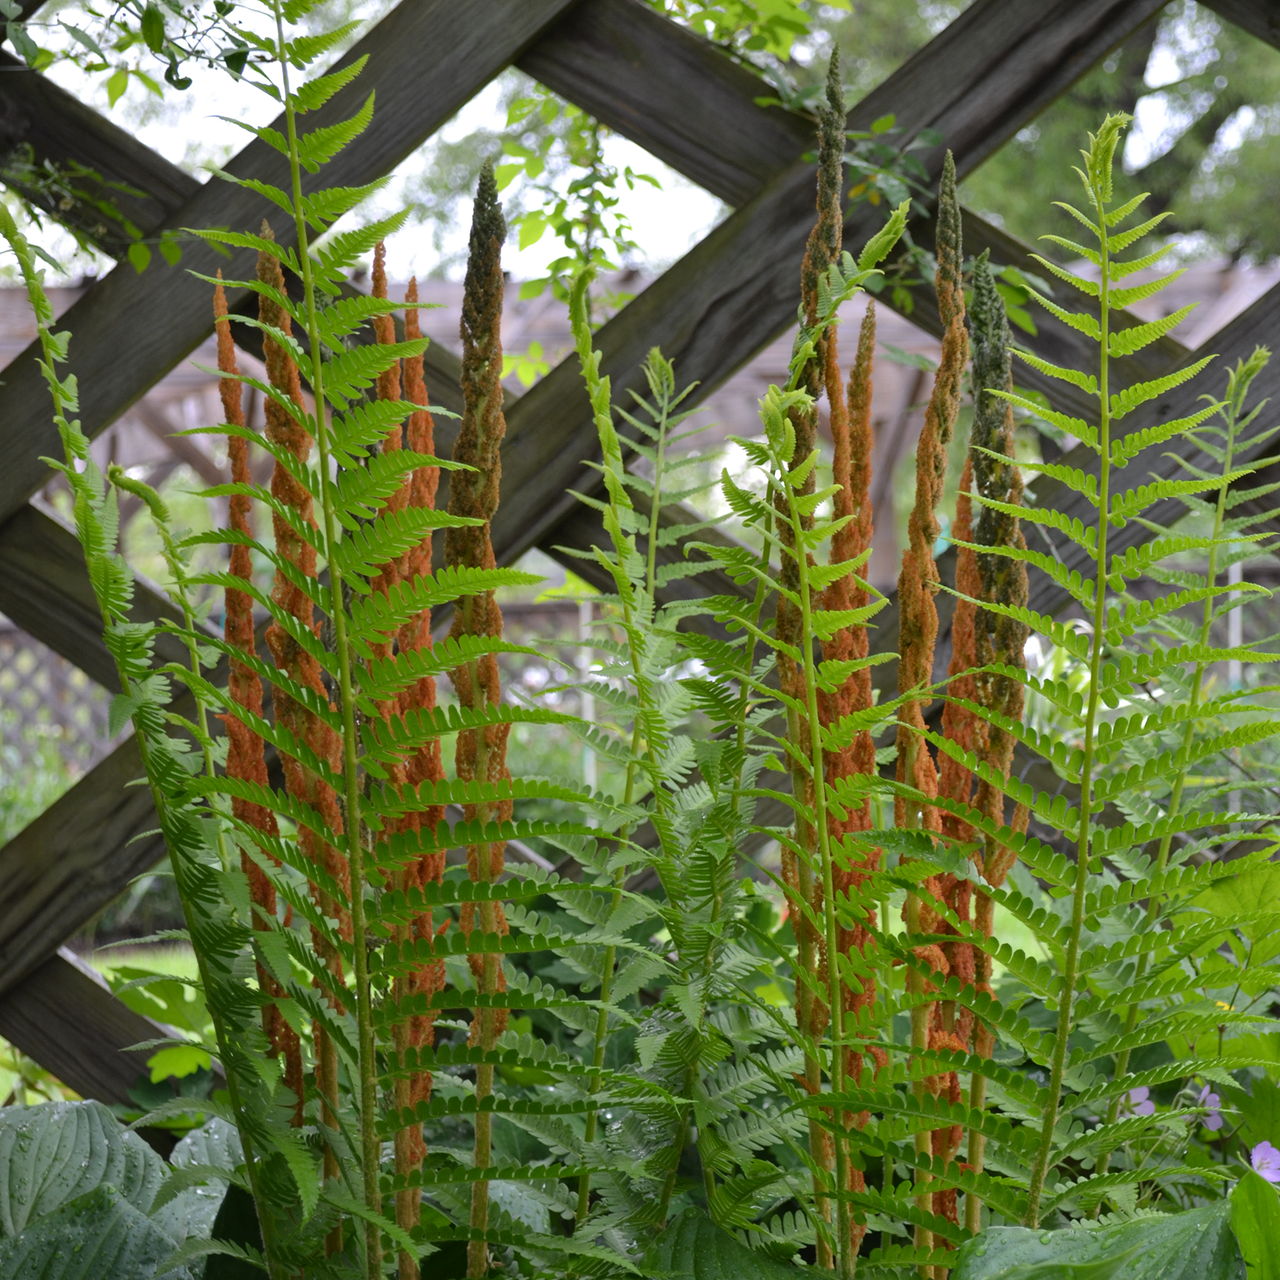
pixel 1260 1110
pixel 692 1247
pixel 56 1152
pixel 191 1213
pixel 98 1236
pixel 1255 1218
pixel 1195 1245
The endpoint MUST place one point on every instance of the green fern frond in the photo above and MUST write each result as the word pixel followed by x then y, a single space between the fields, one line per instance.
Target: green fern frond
pixel 1124 342
pixel 1140 392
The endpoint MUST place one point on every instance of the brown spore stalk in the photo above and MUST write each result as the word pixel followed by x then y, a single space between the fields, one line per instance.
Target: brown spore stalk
pixel 805 889
pixel 481 753
pixel 918 634
pixel 998 639
pixel 851 435
pixel 303 783
pixel 413 1031
pixel 246 752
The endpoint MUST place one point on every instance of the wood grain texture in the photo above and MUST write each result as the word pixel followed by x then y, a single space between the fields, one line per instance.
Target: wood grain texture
pixel 426 58
pixel 672 92
pixel 683 99
pixel 982 79
pixel 1259 18
pixel 67 1019
pixel 70 862
pixel 45 589
pixel 787 212
pixel 61 130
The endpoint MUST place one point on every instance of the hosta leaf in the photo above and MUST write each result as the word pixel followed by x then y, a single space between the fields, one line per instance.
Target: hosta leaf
pixel 55 1152
pixel 1255 1219
pixel 98 1235
pixel 1195 1244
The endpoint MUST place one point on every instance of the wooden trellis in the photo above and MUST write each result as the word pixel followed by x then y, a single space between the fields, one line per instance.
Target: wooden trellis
pixel 981 80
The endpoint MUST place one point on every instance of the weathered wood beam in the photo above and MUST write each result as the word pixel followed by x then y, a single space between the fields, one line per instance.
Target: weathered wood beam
pixel 72 860
pixel 1259 18
pixel 988 73
pixel 802 222
pixel 66 1018
pixel 684 100
pixel 719 308
pixel 45 589
pixel 70 136
pixel 427 59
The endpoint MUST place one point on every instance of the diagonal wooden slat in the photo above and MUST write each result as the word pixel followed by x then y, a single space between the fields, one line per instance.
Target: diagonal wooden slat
pixel 598 55
pixel 1259 18
pixel 982 78
pixel 688 103
pixel 72 860
pixel 67 1019
pixel 63 131
pixel 45 589
pixel 427 59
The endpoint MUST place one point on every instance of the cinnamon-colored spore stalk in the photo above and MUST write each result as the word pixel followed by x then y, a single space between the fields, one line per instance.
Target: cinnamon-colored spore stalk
pixel 246 752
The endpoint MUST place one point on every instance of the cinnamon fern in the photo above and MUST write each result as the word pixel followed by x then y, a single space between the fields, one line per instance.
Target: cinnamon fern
pixel 645 1049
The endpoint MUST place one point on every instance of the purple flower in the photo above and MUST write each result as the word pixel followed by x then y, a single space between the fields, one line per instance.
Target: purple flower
pixel 1266 1161
pixel 1212 1103
pixel 1137 1102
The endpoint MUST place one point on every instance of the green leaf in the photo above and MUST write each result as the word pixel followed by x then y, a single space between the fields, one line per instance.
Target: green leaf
pixel 116 85
pixel 153 28
pixel 692 1247
pixel 1260 1110
pixel 139 256
pixel 321 145
pixel 56 1152
pixel 1125 342
pixel 1090 287
pixel 1194 1245
pixel 1131 397
pixel 304 49
pixel 1255 1218
pixel 97 1235
pixel 177 1060
pixel 315 93
pixel 1085 381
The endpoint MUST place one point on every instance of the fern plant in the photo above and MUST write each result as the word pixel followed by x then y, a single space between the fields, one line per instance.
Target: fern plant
pixel 472 1066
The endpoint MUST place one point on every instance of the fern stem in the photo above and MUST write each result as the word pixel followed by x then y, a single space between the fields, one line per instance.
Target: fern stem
pixel 370 1147
pixel 620 875
pixel 1179 782
pixel 1066 999
pixel 266 1221
pixel 844 1262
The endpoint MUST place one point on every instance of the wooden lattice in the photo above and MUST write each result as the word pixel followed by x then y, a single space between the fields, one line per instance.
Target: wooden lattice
pixel 983 78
